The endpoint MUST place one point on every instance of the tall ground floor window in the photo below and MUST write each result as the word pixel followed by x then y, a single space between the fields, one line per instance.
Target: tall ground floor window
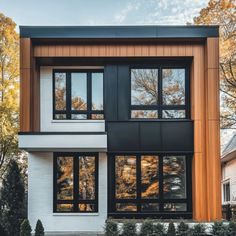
pixel 75 182
pixel 150 185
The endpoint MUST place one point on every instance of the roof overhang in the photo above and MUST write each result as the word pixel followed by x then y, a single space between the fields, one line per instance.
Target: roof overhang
pixel 229 156
pixel 119 32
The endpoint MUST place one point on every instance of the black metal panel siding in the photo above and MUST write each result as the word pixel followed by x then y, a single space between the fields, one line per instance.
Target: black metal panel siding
pixel 110 93
pixel 162 136
pixel 112 32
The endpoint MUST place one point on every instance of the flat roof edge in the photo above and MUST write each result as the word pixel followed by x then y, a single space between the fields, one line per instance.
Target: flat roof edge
pixel 122 32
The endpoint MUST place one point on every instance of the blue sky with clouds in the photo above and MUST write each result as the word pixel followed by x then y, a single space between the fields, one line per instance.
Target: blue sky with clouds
pixel 101 12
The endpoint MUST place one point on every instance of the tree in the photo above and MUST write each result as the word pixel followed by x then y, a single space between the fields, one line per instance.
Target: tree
pixel 25 228
pixel 223 13
pixel 171 229
pixel 39 230
pixel 12 200
pixel 9 90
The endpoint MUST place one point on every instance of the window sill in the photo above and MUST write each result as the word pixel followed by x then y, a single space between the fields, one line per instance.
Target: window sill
pixel 77 121
pixel 76 214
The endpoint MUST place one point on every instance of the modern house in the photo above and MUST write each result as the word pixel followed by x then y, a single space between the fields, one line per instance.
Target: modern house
pixel 120 121
pixel 228 170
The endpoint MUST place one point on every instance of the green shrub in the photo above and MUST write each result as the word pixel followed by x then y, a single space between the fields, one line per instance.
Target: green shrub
pixel 183 229
pixel 198 229
pixel 129 229
pixel 25 228
pixel 147 228
pixel 111 228
pixel 171 229
pixel 218 229
pixel 39 230
pixel 158 229
pixel 2 231
pixel 232 228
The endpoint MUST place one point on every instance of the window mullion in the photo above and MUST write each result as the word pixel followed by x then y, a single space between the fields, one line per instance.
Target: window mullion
pixel 68 95
pixel 76 182
pixel 138 181
pixel 160 93
pixel 89 95
pixel 161 205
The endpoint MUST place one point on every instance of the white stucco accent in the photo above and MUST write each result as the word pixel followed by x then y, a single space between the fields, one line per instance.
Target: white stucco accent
pixel 40 198
pixel 56 142
pixel 46 109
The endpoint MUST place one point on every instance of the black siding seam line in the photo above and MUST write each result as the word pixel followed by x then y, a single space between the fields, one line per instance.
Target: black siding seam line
pixel 62 133
pixel 119 32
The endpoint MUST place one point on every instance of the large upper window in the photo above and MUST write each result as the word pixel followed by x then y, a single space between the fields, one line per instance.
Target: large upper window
pixel 159 93
pixel 75 182
pixel 145 183
pixel 78 95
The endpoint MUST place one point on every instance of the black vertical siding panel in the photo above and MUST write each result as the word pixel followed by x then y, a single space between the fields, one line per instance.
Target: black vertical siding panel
pixel 110 93
pixel 123 92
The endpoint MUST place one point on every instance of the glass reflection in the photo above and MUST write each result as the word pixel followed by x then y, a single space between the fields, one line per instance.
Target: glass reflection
pixel 60 91
pixel 126 207
pixel 175 207
pixel 97 91
pixel 173 83
pixel 87 177
pixel 150 207
pixel 64 178
pixel 125 170
pixel 65 207
pixel 174 177
pixel 144 89
pixel 86 207
pixel 78 91
pixel 149 177
pixel 173 114
pixel 151 114
pixel 97 117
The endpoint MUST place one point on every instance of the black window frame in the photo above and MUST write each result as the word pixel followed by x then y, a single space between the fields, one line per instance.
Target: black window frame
pixel 160 107
pixel 226 191
pixel 154 214
pixel 68 112
pixel 76 199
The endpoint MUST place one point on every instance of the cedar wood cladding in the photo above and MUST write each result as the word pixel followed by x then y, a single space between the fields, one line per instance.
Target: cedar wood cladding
pixel 204 102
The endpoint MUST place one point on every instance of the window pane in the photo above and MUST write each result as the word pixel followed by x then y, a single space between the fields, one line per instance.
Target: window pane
pixel 97 117
pixel 174 177
pixel 87 177
pixel 65 207
pixel 60 91
pixel 149 177
pixel 151 114
pixel 97 91
pixel 173 83
pixel 173 114
pixel 86 207
pixel 60 116
pixel 78 91
pixel 64 178
pixel 126 207
pixel 144 89
pixel 175 207
pixel 125 168
pixel 150 207
pixel 78 116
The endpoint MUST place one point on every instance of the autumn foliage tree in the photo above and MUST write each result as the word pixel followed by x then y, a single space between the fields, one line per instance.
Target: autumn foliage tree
pixel 223 13
pixel 9 90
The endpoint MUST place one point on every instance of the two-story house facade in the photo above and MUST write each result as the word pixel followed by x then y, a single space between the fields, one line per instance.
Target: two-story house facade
pixel 121 122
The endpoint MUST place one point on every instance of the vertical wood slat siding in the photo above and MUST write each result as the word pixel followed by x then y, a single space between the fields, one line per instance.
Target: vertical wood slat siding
pixel 29 88
pixel 204 107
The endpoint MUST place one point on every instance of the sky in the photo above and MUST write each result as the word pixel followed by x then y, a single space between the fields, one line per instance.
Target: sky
pixel 101 12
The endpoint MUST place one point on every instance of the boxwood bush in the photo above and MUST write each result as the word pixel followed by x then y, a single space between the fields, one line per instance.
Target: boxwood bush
pixel 129 229
pixel 111 228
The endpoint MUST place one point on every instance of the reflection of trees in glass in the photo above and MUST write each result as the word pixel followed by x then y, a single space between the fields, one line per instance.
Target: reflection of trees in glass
pixel 65 178
pixel 173 83
pixel 125 169
pixel 152 114
pixel 149 177
pixel 175 206
pixel 173 114
pixel 78 103
pixel 86 207
pixel 60 91
pixel 65 207
pixel 97 91
pixel 86 177
pixel 174 177
pixel 126 207
pixel 150 207
pixel 144 86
